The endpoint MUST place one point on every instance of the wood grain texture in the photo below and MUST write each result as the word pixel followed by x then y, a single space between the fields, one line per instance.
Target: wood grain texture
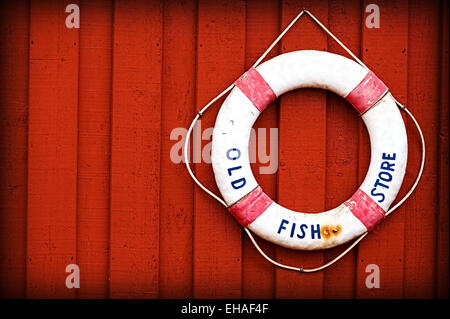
pixel 384 247
pixel 178 108
pixel 442 246
pixel 92 117
pixel 94 131
pixel 14 39
pixel 423 99
pixel 342 136
pixel 302 159
pixel 52 150
pixel 135 149
pixel 262 27
pixel 217 236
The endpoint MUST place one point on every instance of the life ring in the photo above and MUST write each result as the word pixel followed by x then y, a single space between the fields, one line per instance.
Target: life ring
pixel 252 93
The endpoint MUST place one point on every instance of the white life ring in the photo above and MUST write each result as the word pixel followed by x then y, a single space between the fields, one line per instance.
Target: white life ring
pixel 252 93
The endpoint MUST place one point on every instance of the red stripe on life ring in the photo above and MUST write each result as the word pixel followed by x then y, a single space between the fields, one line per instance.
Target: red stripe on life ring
pixel 253 85
pixel 367 92
pixel 250 207
pixel 365 209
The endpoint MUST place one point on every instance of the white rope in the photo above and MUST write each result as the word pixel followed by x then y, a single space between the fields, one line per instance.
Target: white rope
pixel 186 144
pixel 278 39
pixel 336 39
pixel 422 163
pixel 200 113
pixel 361 237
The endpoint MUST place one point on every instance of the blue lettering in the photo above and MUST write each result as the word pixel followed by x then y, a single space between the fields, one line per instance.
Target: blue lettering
pixel 292 230
pixel 387 179
pixel 377 183
pixel 388 157
pixel 233 150
pixel 387 166
pixel 302 230
pixel 377 194
pixel 283 221
pixel 384 175
pixel 236 184
pixel 315 231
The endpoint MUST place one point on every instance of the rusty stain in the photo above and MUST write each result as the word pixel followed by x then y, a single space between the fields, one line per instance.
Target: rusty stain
pixel 329 231
pixel 325 231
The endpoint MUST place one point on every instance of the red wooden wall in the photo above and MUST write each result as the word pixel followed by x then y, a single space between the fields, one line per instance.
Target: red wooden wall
pixel 86 176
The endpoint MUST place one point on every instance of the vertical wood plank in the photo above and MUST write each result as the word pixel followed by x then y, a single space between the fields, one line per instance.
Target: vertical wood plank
pixel 442 219
pixel 178 109
pixel 301 177
pixel 121 106
pixel 423 102
pixel 94 147
pixel 52 150
pixel 14 46
pixel 342 146
pixel 217 236
pixel 384 51
pixel 262 28
pixel 135 149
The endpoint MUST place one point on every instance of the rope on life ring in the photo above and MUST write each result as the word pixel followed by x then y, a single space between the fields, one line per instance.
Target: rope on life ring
pixel 252 93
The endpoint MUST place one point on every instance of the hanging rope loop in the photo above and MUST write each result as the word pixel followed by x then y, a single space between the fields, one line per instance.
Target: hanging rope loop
pixel 261 58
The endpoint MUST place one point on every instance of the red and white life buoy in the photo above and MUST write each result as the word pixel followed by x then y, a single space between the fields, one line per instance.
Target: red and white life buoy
pixel 252 93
